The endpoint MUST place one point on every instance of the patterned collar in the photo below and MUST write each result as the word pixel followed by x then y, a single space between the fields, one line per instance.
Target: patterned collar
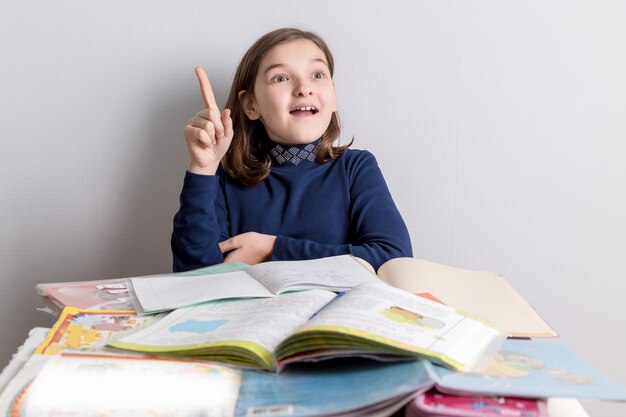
pixel 294 154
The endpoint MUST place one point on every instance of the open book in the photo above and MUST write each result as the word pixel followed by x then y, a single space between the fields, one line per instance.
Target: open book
pixel 267 279
pixel 373 320
pixel 482 293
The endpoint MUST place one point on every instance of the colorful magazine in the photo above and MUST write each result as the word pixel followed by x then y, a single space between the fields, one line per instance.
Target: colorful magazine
pixel 86 331
pixel 437 404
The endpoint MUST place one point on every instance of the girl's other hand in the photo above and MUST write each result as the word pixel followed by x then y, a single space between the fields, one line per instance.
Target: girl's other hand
pixel 209 133
pixel 250 248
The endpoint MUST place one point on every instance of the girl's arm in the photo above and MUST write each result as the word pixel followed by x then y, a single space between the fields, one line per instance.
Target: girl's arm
pixel 376 228
pixel 200 223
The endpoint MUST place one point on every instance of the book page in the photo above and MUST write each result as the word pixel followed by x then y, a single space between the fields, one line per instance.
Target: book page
pixel 481 293
pixel 168 292
pixel 393 317
pixel 335 273
pixel 264 322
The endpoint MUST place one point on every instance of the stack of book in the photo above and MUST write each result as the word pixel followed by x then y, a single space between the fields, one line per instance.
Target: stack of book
pixel 302 338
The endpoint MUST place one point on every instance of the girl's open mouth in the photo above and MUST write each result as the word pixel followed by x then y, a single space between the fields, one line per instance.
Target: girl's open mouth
pixel 304 111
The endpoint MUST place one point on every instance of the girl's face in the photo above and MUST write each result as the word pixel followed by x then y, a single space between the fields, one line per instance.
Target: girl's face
pixel 294 95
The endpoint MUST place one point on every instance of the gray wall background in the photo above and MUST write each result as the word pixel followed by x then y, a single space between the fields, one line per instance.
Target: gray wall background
pixel 499 126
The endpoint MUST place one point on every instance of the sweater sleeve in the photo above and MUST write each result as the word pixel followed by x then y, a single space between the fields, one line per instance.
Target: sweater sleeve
pixel 376 228
pixel 200 223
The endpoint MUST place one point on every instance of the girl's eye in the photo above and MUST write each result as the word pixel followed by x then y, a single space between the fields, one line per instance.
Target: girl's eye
pixel 318 75
pixel 279 79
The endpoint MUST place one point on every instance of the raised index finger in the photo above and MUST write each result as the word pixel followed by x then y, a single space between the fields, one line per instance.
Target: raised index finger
pixel 205 88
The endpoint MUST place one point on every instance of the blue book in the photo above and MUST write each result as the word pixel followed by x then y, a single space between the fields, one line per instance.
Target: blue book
pixel 532 369
pixel 522 368
pixel 353 385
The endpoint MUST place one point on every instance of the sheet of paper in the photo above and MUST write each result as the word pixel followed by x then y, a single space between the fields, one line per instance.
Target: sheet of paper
pixel 335 273
pixel 160 293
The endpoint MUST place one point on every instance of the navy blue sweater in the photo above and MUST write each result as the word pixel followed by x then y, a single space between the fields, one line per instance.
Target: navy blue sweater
pixel 315 210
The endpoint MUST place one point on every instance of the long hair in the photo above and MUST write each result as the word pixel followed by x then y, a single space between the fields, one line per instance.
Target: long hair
pixel 247 159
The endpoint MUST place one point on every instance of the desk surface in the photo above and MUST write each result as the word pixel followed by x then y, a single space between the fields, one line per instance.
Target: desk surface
pixel 557 407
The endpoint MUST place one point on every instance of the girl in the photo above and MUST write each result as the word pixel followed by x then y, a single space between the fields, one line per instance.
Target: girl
pixel 266 183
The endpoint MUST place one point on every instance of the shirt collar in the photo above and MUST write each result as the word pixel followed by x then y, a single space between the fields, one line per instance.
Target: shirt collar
pixel 294 154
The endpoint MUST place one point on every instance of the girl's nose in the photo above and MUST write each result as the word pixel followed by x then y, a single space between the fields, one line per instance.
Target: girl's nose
pixel 303 89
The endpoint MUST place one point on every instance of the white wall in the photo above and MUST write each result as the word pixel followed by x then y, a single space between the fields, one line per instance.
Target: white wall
pixel 499 125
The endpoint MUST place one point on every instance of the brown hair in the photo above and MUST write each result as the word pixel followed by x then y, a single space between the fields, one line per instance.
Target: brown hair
pixel 247 159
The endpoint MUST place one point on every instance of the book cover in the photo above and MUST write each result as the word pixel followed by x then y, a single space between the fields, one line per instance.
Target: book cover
pixel 532 369
pixel 78 330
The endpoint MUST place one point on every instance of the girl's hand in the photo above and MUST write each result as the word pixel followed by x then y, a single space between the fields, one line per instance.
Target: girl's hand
pixel 209 133
pixel 250 248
